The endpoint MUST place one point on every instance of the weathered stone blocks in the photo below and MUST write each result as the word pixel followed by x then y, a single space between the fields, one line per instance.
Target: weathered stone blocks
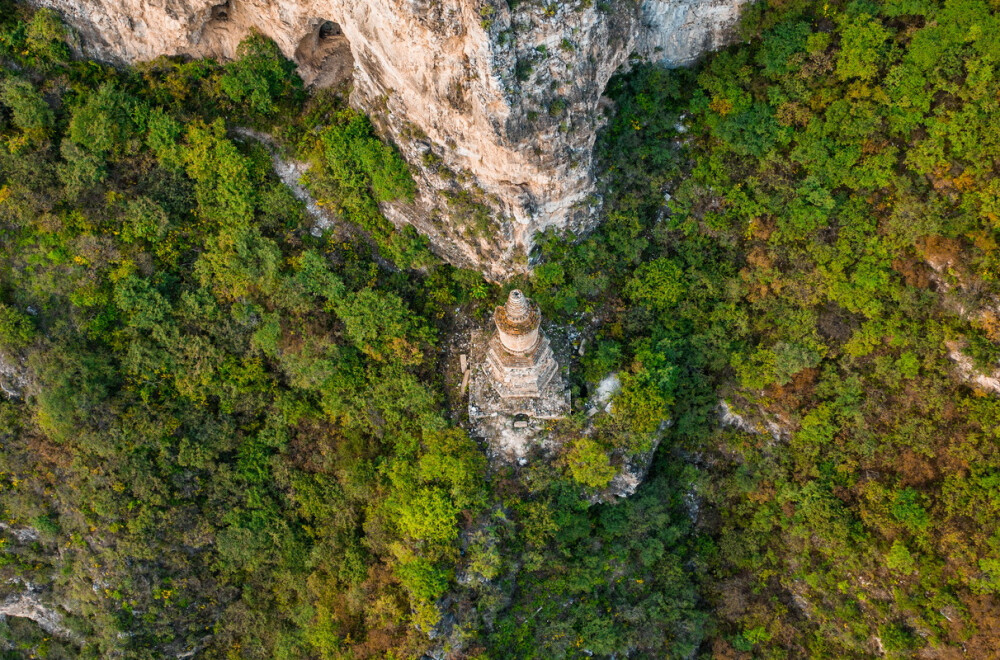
pixel 517 383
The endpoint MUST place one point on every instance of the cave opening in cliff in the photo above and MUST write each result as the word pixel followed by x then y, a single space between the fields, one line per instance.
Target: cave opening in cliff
pixel 328 30
pixel 222 28
pixel 324 55
pixel 220 12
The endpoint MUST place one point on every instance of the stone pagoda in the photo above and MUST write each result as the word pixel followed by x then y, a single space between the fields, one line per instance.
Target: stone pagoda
pixel 516 381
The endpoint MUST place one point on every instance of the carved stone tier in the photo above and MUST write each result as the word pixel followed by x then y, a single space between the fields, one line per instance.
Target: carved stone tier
pixel 518 324
pixel 490 398
pixel 524 375
pixel 516 380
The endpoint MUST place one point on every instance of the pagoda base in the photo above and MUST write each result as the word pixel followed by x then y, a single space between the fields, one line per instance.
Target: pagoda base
pixel 511 423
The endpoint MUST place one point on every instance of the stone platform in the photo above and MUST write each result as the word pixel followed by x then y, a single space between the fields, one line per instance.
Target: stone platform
pixel 511 424
pixel 517 384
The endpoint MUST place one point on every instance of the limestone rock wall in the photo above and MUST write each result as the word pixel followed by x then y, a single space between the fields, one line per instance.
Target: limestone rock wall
pixel 495 107
pixel 677 32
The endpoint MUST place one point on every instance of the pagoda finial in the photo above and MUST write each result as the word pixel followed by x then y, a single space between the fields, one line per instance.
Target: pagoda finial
pixel 517 323
pixel 517 307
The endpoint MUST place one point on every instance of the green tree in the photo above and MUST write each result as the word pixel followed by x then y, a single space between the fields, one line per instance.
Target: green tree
pixel 862 49
pixel 589 465
pixel 108 122
pixel 47 38
pixel 260 78
pixel 31 113
pixel 658 284
pixel 17 330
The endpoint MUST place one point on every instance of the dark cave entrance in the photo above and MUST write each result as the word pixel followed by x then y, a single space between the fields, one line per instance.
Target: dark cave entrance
pixel 329 30
pixel 220 12
pixel 223 24
pixel 325 57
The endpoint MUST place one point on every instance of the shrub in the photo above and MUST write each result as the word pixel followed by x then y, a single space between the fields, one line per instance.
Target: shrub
pixel 31 113
pixel 17 330
pixel 47 37
pixel 899 558
pixel 589 465
pixel 260 78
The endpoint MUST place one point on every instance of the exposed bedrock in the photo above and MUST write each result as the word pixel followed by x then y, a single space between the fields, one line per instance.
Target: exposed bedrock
pixel 479 97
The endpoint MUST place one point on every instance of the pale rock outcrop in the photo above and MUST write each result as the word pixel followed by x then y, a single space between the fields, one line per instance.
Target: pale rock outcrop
pixel 967 371
pixel 677 32
pixel 632 470
pixel 13 376
pixel 753 419
pixel 497 107
pixel 28 605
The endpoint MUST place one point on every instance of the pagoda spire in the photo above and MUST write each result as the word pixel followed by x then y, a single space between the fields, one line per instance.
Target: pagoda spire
pixel 518 323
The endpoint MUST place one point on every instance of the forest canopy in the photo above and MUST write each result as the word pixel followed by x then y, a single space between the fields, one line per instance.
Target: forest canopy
pixel 227 434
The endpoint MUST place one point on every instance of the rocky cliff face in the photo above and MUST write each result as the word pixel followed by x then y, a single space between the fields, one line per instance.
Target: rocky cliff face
pixel 495 104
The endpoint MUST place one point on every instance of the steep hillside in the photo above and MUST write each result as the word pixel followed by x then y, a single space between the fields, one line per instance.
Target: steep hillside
pixel 496 105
